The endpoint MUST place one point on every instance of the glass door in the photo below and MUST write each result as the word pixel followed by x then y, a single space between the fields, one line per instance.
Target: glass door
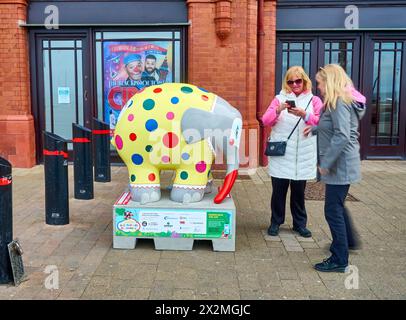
pixel 385 68
pixel 63 84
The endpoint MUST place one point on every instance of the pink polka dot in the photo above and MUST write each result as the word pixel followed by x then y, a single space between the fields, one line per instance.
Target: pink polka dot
pixel 119 142
pixel 130 117
pixel 170 140
pixel 170 115
pixel 165 159
pixel 201 166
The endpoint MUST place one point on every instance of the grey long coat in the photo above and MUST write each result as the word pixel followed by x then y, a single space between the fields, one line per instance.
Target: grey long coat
pixel 338 145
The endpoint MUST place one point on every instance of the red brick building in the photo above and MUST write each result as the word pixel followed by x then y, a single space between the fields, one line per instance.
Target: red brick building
pixel 63 61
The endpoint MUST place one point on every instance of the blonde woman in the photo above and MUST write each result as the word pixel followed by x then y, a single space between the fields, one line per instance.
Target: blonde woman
pixel 339 158
pixel 294 102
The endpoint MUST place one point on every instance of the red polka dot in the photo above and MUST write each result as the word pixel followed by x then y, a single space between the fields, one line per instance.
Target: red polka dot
pixel 205 98
pixel 170 140
pixel 133 136
pixel 151 177
pixel 157 90
pixel 201 166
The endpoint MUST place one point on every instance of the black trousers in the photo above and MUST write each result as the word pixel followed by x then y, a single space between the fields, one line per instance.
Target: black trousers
pixel 297 201
pixel 339 220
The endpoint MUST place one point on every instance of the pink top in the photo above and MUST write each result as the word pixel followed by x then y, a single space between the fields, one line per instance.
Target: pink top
pixel 270 117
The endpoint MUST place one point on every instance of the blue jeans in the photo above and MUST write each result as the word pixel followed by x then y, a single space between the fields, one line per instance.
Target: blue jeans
pixel 339 221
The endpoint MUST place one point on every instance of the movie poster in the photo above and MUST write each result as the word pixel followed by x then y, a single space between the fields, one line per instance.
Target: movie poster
pixel 129 67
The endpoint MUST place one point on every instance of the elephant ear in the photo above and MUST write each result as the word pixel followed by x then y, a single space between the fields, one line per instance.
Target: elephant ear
pixel 196 124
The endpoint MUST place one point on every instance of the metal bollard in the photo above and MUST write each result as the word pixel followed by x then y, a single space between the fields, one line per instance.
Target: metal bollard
pixel 56 179
pixel 101 144
pixel 83 162
pixel 6 221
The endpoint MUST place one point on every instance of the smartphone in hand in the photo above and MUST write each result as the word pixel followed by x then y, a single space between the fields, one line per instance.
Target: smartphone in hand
pixel 291 104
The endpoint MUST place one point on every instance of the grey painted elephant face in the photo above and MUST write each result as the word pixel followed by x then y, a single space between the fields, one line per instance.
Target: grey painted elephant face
pixel 223 125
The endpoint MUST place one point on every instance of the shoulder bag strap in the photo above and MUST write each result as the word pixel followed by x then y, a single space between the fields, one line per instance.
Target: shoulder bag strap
pixel 300 118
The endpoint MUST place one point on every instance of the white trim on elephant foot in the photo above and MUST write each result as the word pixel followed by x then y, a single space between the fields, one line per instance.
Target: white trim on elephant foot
pixel 187 194
pixel 145 193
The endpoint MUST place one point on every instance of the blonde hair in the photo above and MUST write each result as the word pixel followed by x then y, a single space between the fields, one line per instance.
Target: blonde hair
pixel 337 84
pixel 301 74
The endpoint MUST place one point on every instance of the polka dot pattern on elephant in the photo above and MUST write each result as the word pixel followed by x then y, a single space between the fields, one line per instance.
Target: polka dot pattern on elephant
pixel 201 166
pixel 149 104
pixel 119 142
pixel 170 140
pixel 137 159
pixel 151 125
pixel 184 175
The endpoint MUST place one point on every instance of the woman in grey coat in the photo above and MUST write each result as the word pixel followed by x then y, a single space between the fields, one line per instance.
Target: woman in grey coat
pixel 339 158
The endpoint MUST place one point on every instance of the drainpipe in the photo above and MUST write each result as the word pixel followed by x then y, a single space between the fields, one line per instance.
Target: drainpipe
pixel 263 160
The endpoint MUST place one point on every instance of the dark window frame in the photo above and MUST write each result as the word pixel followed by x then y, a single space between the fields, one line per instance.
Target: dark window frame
pixel 37 34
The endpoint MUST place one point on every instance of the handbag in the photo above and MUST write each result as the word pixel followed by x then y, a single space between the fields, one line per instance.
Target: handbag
pixel 278 148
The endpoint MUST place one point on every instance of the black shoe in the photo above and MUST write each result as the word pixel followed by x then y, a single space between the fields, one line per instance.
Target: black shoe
pixel 355 247
pixel 303 231
pixel 273 230
pixel 330 266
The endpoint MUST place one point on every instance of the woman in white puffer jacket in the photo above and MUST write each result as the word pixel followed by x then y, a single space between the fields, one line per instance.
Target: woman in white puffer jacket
pixel 300 160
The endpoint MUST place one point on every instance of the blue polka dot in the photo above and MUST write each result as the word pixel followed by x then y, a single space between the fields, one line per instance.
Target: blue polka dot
pixel 204 90
pixel 175 100
pixel 151 125
pixel 148 148
pixel 185 156
pixel 137 159
pixel 148 104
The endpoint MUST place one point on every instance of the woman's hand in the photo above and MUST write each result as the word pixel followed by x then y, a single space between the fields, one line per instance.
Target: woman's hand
pixel 281 107
pixel 323 172
pixel 307 130
pixel 299 112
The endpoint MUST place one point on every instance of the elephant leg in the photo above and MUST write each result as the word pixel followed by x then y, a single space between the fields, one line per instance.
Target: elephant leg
pixel 145 185
pixel 189 185
pixel 187 195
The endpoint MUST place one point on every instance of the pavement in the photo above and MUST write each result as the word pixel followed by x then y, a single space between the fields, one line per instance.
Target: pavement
pixel 77 261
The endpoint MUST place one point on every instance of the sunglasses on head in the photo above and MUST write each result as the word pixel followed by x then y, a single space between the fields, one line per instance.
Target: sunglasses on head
pixel 297 82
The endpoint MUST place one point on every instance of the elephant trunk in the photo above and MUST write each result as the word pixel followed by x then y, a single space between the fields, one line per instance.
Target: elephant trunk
pixel 231 176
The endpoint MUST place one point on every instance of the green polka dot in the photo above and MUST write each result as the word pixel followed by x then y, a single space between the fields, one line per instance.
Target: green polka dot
pixel 183 175
pixel 148 148
pixel 148 104
pixel 186 90
pixel 132 177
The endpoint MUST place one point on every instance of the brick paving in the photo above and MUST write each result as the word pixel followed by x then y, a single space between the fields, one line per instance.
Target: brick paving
pixel 262 267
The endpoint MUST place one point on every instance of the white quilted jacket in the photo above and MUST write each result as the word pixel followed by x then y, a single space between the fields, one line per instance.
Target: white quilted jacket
pixel 300 159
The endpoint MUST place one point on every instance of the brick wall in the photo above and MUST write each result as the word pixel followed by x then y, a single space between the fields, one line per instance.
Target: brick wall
pixel 227 66
pixel 16 122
